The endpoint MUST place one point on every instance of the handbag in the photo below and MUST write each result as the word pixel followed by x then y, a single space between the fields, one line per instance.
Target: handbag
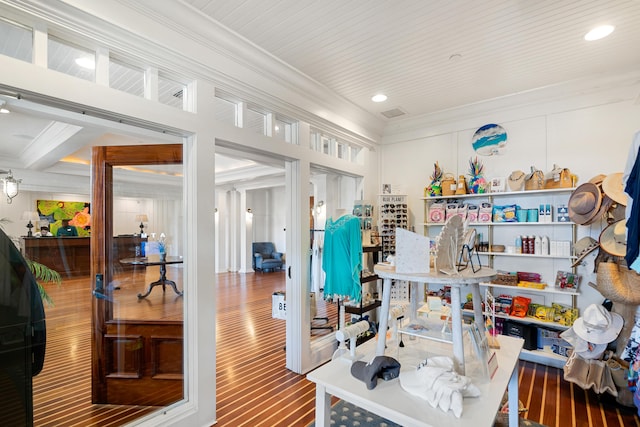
pixel 462 186
pixel 618 283
pixel 534 180
pixel 448 185
pixel 560 178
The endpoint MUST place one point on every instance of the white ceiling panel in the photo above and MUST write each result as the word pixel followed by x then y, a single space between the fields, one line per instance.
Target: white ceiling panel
pixel 432 55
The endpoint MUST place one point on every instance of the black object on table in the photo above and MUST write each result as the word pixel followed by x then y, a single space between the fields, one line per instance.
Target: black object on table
pixel 163 272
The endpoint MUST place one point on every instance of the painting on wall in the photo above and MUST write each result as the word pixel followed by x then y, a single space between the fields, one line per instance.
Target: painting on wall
pixel 52 212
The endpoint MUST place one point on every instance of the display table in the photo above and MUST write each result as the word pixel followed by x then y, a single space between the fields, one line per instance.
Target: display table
pixel 389 400
pixel 465 277
pixel 155 260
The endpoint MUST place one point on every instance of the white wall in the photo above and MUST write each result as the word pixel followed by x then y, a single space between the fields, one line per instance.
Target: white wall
pixel 588 139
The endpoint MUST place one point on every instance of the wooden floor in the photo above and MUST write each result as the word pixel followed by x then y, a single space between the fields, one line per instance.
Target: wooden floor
pixel 253 387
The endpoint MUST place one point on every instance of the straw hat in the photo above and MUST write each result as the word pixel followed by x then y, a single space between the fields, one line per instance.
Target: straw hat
pixel 516 180
pixel 612 187
pixel 597 325
pixel 584 203
pixel 584 247
pixel 613 239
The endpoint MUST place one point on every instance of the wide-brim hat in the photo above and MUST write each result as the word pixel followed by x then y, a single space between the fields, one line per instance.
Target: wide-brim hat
pixel 584 247
pixel 603 209
pixel 613 239
pixel 613 187
pixel 597 325
pixel 581 347
pixel 516 180
pixel 584 203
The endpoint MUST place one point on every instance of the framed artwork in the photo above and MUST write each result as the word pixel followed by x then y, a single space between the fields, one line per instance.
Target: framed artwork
pixel 54 211
pixel 498 184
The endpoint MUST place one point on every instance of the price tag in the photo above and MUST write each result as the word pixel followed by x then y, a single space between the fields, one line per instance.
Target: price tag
pixel 492 364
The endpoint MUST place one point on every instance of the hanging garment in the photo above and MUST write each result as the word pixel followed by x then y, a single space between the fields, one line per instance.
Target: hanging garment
pixel 631 352
pixel 632 188
pixel 342 258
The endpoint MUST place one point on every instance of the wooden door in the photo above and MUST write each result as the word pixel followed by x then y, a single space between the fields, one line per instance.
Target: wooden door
pixel 134 362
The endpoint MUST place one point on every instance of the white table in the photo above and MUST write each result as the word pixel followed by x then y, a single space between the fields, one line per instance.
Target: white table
pixel 465 277
pixel 389 400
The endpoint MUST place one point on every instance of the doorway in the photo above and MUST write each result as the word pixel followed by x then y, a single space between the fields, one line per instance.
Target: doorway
pixel 137 351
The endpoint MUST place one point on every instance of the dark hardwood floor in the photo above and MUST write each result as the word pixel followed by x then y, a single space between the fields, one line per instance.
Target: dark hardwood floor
pixel 253 387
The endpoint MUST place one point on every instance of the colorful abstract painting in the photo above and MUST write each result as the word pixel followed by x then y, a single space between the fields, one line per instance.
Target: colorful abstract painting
pixel 54 211
pixel 489 140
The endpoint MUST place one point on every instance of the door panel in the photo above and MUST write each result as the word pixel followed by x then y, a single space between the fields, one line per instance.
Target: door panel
pixel 137 344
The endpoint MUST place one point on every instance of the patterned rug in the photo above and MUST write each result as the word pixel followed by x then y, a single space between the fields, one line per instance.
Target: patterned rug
pixel 345 414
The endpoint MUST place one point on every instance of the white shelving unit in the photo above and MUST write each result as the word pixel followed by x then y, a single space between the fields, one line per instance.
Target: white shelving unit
pixel 504 233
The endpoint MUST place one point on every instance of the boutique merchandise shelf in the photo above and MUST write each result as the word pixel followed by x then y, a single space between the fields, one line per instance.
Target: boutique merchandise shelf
pixel 560 231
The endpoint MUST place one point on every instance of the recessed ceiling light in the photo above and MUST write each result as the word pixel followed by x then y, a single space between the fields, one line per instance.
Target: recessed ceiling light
pixel 4 111
pixel 379 97
pixel 86 62
pixel 599 32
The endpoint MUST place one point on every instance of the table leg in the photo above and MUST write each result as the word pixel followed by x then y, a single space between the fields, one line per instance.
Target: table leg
pixel 173 285
pixel 513 398
pixel 149 288
pixel 456 328
pixel 413 300
pixel 161 281
pixel 323 407
pixel 384 317
pixel 477 306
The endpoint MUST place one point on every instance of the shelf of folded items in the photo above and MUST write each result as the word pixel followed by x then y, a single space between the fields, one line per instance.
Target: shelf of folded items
pixel 547 290
pixel 526 319
pixel 526 255
pixel 545 191
pixel 480 224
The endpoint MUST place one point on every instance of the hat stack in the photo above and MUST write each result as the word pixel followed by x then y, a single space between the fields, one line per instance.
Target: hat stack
pixel 613 188
pixel 584 247
pixel 588 203
pixel 591 333
pixel 613 239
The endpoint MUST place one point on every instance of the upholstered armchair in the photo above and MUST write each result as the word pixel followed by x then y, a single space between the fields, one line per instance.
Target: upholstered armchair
pixel 265 257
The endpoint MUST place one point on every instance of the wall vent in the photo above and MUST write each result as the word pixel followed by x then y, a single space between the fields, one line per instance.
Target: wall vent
pixel 396 112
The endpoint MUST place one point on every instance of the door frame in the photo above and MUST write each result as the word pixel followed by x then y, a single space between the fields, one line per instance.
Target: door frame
pixel 103 159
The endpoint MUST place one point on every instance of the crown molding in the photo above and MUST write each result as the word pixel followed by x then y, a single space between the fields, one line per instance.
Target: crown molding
pixel 173 36
pixel 567 96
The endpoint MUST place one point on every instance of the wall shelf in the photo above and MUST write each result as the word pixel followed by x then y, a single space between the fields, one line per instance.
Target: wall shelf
pixel 495 233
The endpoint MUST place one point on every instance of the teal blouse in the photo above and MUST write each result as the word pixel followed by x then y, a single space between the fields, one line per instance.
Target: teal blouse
pixel 342 258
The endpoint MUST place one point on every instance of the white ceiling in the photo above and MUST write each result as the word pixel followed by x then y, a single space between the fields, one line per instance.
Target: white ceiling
pixel 426 55
pixel 408 49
